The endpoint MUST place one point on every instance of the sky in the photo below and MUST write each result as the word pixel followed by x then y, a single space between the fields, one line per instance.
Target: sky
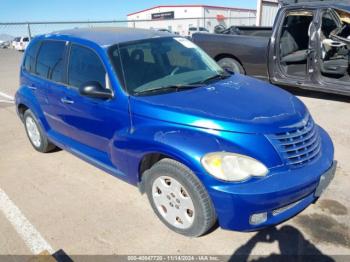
pixel 63 10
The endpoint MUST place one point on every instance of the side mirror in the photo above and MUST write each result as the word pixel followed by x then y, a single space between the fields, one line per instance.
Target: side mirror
pixel 95 90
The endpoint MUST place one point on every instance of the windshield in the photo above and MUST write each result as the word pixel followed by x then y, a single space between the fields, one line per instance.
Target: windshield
pixel 160 63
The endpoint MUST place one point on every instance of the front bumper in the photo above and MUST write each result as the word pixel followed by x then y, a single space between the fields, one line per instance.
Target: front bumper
pixel 282 194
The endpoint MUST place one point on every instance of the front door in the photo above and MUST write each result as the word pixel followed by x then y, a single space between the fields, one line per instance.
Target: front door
pixel 92 122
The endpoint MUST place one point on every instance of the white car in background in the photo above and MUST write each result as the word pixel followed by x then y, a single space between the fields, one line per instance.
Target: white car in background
pixel 20 43
pixel 162 30
pixel 193 30
pixel 14 42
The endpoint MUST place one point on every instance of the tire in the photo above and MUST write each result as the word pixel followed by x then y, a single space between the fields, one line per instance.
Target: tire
pixel 36 135
pixel 231 64
pixel 170 188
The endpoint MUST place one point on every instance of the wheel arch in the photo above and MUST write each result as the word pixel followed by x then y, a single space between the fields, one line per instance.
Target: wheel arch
pixel 25 100
pixel 21 108
pixel 151 158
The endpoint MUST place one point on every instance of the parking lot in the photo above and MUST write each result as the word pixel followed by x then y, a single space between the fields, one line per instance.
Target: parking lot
pixel 81 210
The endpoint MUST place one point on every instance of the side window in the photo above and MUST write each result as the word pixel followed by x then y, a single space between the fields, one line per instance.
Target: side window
pixel 29 60
pixel 85 66
pixel 50 60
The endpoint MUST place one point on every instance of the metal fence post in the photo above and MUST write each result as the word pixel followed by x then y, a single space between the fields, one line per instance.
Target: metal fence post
pixel 29 31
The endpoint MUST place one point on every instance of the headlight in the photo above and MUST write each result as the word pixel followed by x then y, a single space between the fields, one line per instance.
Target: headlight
pixel 232 167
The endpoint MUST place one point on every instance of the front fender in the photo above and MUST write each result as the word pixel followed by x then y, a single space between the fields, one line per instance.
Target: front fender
pixel 189 144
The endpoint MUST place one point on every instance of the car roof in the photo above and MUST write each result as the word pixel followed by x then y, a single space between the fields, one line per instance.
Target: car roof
pixel 106 36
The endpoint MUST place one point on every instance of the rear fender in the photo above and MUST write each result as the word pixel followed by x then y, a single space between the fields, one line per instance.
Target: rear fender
pixel 24 96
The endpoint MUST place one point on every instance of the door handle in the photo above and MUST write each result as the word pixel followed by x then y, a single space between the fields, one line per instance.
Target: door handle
pixel 66 100
pixel 32 87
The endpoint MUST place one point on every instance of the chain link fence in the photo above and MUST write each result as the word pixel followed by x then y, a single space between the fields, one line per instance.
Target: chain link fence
pixel 182 26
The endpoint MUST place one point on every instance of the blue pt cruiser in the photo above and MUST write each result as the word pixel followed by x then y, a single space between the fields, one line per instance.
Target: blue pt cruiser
pixel 154 110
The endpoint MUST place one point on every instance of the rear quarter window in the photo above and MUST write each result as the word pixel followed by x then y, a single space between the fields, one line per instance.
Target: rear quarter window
pixel 29 60
pixel 50 60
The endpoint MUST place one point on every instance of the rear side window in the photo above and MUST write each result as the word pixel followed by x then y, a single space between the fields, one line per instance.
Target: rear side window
pixel 29 60
pixel 85 66
pixel 50 60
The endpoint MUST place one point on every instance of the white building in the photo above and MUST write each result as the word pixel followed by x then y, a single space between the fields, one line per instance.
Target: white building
pixel 266 12
pixel 179 18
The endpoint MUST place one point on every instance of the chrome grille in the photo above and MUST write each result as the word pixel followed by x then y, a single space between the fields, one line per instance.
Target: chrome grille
pixel 299 146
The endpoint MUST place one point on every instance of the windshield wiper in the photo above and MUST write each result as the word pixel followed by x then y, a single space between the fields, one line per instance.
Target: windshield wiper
pixel 217 76
pixel 165 88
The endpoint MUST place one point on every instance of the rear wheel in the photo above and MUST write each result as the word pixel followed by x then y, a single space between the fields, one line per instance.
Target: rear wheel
pixel 232 65
pixel 179 199
pixel 35 134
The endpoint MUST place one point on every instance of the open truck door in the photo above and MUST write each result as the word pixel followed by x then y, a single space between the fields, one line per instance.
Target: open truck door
pixel 292 47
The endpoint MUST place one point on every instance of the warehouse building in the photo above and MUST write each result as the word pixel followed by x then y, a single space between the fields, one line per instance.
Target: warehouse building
pixel 266 12
pixel 180 18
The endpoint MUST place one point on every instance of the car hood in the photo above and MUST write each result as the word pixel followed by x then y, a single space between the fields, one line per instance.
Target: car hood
pixel 236 104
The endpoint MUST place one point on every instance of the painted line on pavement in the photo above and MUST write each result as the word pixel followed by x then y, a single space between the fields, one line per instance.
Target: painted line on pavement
pixel 7 96
pixel 6 101
pixel 32 238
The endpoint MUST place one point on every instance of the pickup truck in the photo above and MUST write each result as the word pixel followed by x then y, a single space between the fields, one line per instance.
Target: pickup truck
pixel 307 47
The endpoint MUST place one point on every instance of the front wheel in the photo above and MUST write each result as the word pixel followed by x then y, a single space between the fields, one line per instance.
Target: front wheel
pixel 231 64
pixel 179 199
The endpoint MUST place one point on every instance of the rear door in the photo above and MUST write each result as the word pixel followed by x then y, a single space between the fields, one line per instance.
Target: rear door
pixel 333 50
pixel 29 78
pixel 50 68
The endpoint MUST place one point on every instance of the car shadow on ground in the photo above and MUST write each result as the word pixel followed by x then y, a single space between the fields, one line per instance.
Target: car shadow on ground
pixel 61 256
pixel 292 246
pixel 55 150
pixel 315 94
